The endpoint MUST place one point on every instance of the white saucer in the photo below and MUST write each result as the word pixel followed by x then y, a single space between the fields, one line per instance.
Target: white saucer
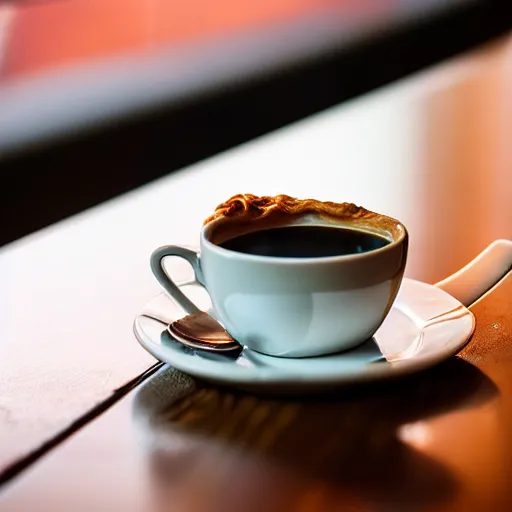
pixel 425 326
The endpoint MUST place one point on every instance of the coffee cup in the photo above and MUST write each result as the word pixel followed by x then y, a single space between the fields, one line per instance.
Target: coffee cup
pixel 294 278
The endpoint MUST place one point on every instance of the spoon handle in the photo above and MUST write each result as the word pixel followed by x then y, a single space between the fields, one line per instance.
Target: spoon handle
pixel 471 282
pixel 156 318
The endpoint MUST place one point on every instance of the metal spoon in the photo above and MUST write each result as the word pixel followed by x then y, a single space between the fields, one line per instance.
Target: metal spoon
pixel 201 331
pixel 198 331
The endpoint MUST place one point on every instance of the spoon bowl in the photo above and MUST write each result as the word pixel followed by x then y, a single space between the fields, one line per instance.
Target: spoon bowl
pixel 201 331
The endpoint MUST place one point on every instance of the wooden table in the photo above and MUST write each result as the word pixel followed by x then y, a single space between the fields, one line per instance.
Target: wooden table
pixel 431 150
pixel 438 441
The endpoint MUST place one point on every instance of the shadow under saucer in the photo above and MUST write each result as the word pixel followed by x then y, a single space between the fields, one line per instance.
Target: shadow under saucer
pixel 245 452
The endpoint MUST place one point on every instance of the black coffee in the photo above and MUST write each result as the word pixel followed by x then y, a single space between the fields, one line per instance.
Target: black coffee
pixel 305 242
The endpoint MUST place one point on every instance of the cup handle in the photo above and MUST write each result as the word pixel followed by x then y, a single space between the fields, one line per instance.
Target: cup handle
pixel 471 282
pixel 157 267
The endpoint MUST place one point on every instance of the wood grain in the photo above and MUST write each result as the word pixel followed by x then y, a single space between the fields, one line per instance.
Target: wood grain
pixel 437 441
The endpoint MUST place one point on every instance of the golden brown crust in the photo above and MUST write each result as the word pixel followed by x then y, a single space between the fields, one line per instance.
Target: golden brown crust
pixel 243 213
pixel 250 207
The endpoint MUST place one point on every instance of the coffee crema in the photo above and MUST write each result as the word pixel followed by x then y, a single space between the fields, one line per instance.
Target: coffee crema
pixel 251 207
pixel 305 241
pixel 245 213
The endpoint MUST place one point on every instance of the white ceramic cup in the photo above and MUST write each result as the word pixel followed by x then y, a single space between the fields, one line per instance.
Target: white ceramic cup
pixel 296 307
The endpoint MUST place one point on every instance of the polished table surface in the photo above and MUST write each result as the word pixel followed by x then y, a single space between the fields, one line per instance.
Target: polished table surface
pixel 438 441
pixel 431 150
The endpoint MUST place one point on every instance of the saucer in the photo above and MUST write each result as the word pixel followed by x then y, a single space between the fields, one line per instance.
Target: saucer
pixel 425 326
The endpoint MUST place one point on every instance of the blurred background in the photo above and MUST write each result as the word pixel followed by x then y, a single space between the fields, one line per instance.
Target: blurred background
pixel 404 107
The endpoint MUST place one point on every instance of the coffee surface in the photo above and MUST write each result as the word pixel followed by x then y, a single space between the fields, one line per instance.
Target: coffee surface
pixel 305 242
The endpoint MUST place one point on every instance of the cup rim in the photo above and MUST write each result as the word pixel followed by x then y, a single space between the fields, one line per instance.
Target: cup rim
pixel 316 260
